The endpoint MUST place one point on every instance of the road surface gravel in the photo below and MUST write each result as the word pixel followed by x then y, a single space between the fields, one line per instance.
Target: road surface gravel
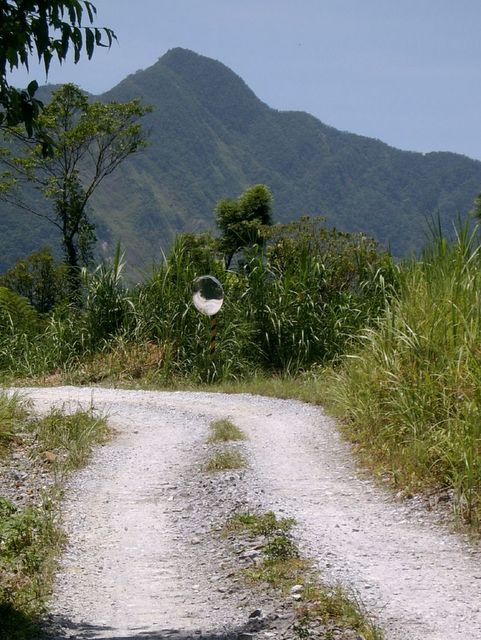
pixel 140 564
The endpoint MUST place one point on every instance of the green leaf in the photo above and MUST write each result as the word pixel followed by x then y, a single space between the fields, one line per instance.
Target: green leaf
pixel 91 10
pixel 66 31
pixel 47 57
pixel 89 42
pixel 32 88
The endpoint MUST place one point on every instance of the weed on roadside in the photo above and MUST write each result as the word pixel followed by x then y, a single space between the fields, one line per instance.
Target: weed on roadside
pixel 13 411
pixel 30 536
pixel 258 524
pixel 30 539
pixel 335 606
pixel 69 436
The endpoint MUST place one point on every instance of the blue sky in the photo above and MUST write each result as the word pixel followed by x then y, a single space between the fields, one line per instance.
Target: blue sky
pixel 405 71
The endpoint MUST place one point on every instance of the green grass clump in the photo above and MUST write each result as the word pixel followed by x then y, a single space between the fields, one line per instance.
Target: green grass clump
pixel 411 398
pixel 336 608
pixel 259 524
pixel 13 412
pixel 281 548
pixel 225 460
pixel 224 431
pixel 282 568
pixel 71 436
pixel 280 574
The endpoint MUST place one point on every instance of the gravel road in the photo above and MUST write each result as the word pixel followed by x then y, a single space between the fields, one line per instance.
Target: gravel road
pixel 140 565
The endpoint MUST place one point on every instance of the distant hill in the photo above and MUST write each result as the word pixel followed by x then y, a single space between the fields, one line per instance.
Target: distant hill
pixel 211 137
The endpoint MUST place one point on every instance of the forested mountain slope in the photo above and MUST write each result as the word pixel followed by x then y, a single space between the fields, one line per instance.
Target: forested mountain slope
pixel 211 137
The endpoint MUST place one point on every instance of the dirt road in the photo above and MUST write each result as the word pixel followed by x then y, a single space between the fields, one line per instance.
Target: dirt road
pixel 138 566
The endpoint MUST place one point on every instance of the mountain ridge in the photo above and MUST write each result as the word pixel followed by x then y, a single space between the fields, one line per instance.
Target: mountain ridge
pixel 211 137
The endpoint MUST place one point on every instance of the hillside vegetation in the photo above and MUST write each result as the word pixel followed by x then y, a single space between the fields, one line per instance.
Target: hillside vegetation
pixel 312 313
pixel 296 302
pixel 211 137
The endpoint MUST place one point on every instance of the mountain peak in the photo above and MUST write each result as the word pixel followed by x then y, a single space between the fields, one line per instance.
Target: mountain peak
pixel 219 89
pixel 210 137
pixel 179 53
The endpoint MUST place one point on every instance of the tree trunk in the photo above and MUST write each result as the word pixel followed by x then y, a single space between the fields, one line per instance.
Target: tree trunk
pixel 73 274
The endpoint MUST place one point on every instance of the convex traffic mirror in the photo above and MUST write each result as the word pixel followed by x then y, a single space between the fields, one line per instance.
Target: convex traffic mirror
pixel 207 295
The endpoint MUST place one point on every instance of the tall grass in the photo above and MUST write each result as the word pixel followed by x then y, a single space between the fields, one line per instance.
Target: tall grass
pixel 296 303
pixel 71 436
pixel 412 395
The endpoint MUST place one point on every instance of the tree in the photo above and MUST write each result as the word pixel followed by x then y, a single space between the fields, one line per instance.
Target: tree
pixel 90 140
pixel 241 220
pixel 39 279
pixel 48 28
pixel 476 210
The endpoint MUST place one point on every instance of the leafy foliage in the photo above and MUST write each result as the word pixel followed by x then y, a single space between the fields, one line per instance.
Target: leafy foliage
pixel 47 28
pixel 241 221
pixel 90 141
pixel 39 279
pixel 296 304
pixel 16 313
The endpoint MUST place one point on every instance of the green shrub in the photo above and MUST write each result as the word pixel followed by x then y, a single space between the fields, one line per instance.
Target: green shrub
pixel 297 300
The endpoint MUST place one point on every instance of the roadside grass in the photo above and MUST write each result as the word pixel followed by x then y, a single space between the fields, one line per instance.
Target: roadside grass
pixel 31 537
pixel 30 540
pixel 411 397
pixel 228 459
pixel 224 431
pixel 69 437
pixel 336 607
pixel 408 395
pixel 13 411
pixel 308 386
pixel 283 569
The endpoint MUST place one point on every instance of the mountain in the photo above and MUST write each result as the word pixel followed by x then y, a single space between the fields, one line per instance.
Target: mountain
pixel 210 137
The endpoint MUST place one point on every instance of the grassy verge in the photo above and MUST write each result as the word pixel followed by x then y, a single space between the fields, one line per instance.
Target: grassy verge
pixel 31 536
pixel 283 569
pixel 69 437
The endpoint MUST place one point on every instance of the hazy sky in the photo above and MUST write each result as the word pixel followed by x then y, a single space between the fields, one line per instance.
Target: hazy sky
pixel 405 71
